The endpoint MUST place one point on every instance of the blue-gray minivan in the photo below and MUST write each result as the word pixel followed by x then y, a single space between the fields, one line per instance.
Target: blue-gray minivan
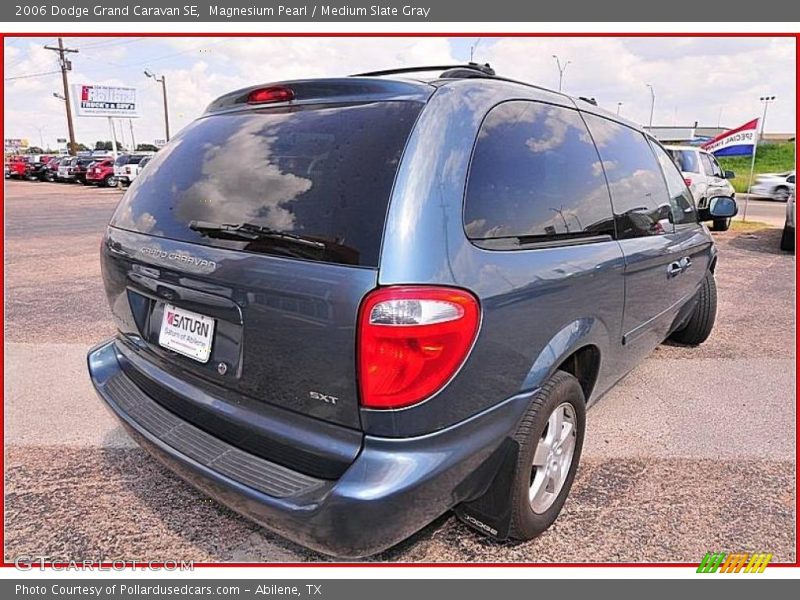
pixel 348 306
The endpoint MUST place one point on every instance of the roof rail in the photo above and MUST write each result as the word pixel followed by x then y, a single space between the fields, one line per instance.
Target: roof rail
pixel 484 70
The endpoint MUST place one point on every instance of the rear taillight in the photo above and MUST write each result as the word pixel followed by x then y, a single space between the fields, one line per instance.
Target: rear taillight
pixel 412 340
pixel 270 94
pixel 688 181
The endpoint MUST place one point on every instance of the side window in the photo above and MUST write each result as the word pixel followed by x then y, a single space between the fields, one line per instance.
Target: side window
pixel 680 198
pixel 709 165
pixel 638 192
pixel 535 176
pixel 790 179
pixel 717 168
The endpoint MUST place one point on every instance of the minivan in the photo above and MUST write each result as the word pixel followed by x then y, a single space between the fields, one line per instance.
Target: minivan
pixel 348 306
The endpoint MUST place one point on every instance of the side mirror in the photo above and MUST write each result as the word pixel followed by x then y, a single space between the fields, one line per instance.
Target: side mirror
pixel 719 207
pixel 729 174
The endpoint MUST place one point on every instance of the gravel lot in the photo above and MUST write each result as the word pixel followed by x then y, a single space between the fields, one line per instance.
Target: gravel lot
pixel 693 451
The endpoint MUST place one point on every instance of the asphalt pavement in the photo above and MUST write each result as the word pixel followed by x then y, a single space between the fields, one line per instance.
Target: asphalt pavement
pixel 762 210
pixel 694 451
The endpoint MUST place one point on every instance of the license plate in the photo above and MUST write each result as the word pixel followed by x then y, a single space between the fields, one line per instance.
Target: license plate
pixel 187 333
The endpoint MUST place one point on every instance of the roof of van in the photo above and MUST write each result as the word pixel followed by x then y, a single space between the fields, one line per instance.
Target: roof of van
pixel 402 86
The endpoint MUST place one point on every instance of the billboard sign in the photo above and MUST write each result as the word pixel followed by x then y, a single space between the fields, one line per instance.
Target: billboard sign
pixel 15 144
pixel 104 101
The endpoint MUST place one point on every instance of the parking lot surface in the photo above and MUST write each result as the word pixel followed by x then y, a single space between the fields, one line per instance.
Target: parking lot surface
pixel 694 451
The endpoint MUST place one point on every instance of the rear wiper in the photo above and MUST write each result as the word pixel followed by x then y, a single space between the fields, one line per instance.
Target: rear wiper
pixel 250 231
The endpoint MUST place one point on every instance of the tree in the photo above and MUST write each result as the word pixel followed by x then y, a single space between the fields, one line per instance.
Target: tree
pixel 146 148
pixel 81 147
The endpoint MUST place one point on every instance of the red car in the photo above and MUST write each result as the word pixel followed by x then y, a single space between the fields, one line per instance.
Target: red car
pixel 17 167
pixel 101 172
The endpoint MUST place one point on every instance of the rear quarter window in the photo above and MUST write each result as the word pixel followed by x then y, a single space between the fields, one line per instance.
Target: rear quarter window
pixel 638 190
pixel 535 176
pixel 322 175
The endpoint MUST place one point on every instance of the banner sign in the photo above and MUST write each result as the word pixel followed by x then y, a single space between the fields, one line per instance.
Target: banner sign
pixel 736 142
pixel 104 101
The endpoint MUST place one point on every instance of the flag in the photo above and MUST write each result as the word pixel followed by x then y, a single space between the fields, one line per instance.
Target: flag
pixel 736 142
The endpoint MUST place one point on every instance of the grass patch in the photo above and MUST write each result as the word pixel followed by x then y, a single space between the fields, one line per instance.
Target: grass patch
pixel 746 226
pixel 770 158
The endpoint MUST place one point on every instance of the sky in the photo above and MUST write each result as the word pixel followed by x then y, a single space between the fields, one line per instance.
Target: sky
pixel 709 80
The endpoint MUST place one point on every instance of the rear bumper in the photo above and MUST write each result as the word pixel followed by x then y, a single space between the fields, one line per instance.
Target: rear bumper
pixel 394 487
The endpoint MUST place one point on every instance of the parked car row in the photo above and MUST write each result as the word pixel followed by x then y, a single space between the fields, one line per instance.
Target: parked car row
pixel 88 170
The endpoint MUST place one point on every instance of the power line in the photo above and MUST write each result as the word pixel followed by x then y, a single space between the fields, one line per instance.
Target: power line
pixel 31 75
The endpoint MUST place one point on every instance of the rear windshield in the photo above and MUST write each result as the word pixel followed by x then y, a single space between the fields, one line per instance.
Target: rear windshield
pixel 686 160
pixel 304 182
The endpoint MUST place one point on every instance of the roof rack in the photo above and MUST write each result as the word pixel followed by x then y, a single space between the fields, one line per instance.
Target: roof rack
pixel 472 69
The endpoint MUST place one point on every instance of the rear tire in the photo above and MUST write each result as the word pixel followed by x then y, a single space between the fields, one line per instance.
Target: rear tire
pixel 787 239
pixel 721 225
pixel 701 321
pixel 539 491
pixel 782 193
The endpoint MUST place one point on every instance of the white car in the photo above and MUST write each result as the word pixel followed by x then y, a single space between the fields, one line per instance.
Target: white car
pixel 704 176
pixel 127 167
pixel 777 186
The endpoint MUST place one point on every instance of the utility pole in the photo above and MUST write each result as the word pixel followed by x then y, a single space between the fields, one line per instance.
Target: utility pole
pixel 652 102
pixel 619 106
pixel 561 71
pixel 66 65
pixel 163 81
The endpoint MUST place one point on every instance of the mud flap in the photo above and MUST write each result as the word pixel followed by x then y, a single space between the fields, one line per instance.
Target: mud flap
pixel 490 513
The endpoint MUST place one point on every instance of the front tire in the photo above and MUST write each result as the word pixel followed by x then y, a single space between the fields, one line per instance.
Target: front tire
pixel 782 193
pixel 701 321
pixel 721 225
pixel 550 438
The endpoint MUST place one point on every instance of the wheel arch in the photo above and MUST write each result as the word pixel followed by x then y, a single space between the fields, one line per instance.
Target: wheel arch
pixel 577 349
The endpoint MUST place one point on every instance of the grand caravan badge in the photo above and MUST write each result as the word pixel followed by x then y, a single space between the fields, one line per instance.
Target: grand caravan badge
pixel 200 264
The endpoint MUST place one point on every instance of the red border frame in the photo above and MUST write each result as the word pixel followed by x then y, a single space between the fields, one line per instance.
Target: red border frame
pixel 108 565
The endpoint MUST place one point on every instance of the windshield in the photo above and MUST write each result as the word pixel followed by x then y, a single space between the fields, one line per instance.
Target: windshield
pixel 321 174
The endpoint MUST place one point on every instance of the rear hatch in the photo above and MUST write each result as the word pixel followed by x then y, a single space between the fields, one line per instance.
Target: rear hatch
pixel 265 224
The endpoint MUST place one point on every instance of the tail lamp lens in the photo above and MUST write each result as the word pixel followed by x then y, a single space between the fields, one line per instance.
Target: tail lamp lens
pixel 270 94
pixel 412 340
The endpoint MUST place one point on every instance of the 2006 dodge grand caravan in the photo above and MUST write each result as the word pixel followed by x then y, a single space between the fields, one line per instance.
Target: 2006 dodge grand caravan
pixel 348 306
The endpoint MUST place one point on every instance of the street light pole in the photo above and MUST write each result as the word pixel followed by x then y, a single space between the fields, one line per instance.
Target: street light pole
pixel 65 65
pixel 652 102
pixel 472 49
pixel 765 100
pixel 163 81
pixel 561 70
pixel 619 106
